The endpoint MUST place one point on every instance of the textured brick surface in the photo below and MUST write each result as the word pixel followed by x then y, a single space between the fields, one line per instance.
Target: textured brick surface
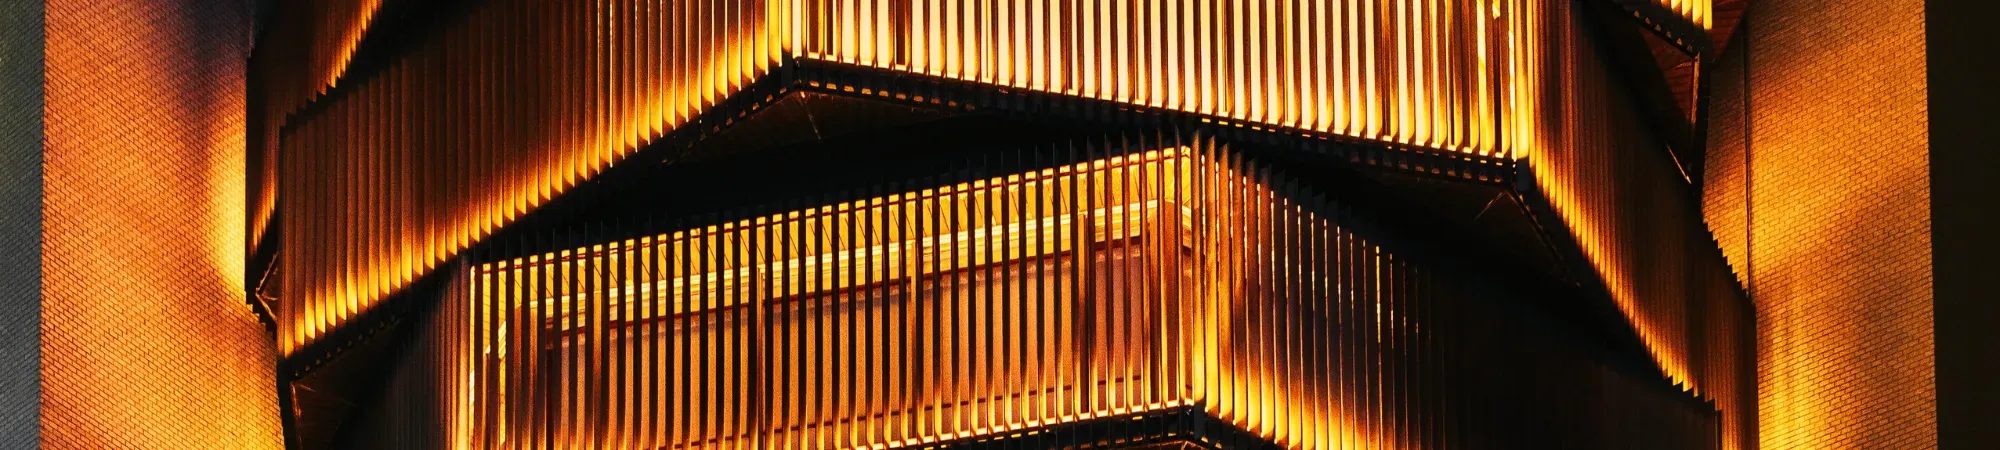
pixel 20 219
pixel 146 340
pixel 1722 191
pixel 1833 235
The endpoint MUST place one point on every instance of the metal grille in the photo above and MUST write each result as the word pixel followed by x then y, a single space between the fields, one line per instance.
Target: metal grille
pixel 1126 283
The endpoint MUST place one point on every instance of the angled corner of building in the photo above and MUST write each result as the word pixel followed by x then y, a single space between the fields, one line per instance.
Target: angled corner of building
pixel 982 224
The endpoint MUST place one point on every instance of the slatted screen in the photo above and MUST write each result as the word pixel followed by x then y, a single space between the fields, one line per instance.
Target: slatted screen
pixel 490 114
pixel 496 114
pixel 1456 76
pixel 976 308
pixel 995 305
pixel 1610 180
pixel 1701 12
pixel 304 51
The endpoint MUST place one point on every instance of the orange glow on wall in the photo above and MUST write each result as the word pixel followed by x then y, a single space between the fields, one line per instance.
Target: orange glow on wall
pixel 1823 199
pixel 145 339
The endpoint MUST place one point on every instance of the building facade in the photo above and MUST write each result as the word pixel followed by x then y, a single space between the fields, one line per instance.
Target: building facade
pixel 931 223
pixel 896 223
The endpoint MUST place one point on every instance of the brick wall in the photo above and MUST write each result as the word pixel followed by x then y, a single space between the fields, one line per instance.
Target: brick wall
pixel 1723 198
pixel 20 220
pixel 1827 219
pixel 146 341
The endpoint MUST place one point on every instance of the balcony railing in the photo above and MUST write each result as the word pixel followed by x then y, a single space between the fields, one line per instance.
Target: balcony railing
pixel 1147 282
pixel 519 101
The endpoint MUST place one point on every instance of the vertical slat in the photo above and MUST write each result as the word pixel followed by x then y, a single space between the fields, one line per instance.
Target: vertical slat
pixel 543 415
pixel 1009 297
pixel 1067 383
pixel 620 282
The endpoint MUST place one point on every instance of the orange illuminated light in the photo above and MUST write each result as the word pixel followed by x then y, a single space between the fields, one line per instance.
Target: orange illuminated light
pixel 1145 220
